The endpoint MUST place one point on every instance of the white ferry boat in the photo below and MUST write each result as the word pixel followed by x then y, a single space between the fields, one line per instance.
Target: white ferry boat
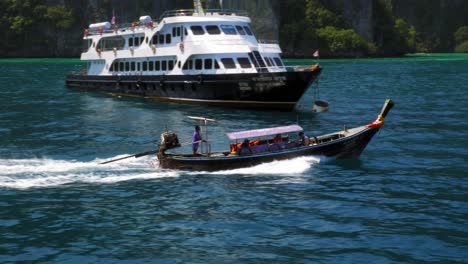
pixel 191 56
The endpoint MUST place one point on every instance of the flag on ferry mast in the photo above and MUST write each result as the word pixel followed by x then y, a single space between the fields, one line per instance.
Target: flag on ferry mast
pixel 316 54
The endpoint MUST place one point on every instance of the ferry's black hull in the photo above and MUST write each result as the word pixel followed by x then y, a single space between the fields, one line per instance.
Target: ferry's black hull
pixel 347 147
pixel 247 90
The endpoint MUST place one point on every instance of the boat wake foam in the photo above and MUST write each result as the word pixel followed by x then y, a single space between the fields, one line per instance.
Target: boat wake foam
pixel 42 173
pixel 282 167
pixel 39 173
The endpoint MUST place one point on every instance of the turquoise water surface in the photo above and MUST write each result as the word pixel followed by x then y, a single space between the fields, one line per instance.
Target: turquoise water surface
pixel 404 201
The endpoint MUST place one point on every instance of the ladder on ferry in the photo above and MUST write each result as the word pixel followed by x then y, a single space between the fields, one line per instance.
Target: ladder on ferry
pixel 258 61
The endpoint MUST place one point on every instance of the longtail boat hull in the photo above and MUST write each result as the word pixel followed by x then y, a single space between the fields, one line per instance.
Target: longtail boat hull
pixel 344 146
pixel 348 143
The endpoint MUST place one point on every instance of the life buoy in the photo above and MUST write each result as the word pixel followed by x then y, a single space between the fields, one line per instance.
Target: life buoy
pixel 181 47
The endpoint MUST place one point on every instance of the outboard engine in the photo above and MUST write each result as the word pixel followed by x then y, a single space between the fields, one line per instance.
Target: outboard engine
pixel 169 140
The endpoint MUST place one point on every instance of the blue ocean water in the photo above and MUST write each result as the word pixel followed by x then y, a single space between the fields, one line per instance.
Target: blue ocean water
pixel 404 201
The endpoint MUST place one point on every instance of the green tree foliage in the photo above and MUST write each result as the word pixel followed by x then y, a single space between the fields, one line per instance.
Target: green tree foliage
pixel 33 24
pixel 461 35
pixel 398 27
pixel 462 48
pixel 323 28
pixel 342 40
pixel 320 17
pixel 60 17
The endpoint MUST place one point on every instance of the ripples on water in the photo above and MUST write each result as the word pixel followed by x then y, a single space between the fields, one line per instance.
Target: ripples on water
pixel 403 201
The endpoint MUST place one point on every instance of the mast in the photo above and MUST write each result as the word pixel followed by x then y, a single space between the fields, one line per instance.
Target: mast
pixel 198 7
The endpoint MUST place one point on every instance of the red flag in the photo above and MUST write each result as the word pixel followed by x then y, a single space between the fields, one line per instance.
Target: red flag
pixel 316 54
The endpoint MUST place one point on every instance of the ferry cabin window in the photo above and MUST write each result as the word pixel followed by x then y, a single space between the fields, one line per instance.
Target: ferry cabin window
pixel 272 62
pixel 138 66
pixel 268 61
pixel 121 66
pixel 244 62
pixel 190 64
pixel 185 67
pixel 151 65
pixel 132 64
pixel 176 32
pixel 240 30
pixel 163 65
pixel 158 66
pixel 198 64
pixel 168 38
pixel 137 42
pixel 170 65
pixel 228 63
pixel 216 64
pixel 86 44
pixel 127 66
pixel 130 42
pixel 197 30
pixel 110 43
pixel 208 64
pixel 213 30
pixel 248 31
pixel 155 39
pixel 161 39
pixel 278 61
pixel 228 30
pixel 185 31
pixel 145 66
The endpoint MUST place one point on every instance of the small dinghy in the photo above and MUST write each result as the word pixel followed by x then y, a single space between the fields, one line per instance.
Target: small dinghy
pixel 268 144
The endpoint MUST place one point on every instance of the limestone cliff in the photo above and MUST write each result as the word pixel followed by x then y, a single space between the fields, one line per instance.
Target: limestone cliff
pixel 36 31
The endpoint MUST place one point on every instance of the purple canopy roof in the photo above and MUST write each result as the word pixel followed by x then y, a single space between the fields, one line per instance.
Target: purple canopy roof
pixel 263 132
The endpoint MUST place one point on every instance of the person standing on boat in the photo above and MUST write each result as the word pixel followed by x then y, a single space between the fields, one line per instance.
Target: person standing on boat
pixel 196 139
pixel 304 140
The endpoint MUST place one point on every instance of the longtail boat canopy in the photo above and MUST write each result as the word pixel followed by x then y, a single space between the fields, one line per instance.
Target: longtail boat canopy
pixel 263 132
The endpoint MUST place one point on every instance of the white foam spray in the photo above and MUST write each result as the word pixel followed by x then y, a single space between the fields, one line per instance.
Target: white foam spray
pixel 41 173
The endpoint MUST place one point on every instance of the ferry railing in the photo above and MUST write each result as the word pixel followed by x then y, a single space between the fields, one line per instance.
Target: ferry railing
pixel 268 41
pixel 134 27
pixel 172 13
pixel 207 12
pixel 270 69
pixel 193 72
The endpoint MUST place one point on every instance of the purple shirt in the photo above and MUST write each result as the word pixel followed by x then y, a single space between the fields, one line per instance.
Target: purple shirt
pixel 196 137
